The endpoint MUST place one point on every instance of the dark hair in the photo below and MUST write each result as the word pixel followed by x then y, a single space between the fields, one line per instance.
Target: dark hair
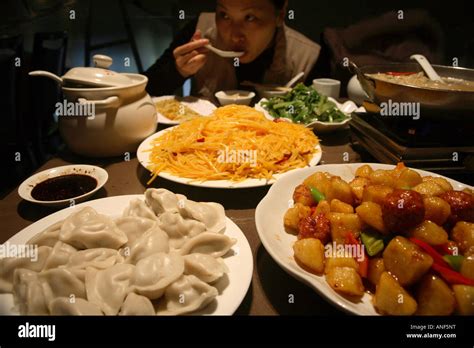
pixel 278 3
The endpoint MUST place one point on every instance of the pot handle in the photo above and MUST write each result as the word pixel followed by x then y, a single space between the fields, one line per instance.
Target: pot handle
pixel 102 61
pixel 109 102
pixel 367 84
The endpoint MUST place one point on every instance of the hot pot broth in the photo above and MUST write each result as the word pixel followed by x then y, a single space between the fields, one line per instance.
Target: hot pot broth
pixel 421 80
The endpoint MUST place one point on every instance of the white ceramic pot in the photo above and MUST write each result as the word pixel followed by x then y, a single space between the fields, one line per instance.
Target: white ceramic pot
pixel 355 91
pixel 124 116
pixel 120 114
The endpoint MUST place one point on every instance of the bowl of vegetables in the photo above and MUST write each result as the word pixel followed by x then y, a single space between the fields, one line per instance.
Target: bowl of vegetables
pixel 304 105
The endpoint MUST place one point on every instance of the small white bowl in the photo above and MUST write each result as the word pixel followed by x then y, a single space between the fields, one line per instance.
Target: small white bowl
pixel 97 173
pixel 328 87
pixel 327 127
pixel 238 97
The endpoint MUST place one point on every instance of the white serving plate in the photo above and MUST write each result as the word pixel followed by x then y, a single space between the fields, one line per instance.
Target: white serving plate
pixel 347 107
pixel 269 220
pixel 143 157
pixel 239 260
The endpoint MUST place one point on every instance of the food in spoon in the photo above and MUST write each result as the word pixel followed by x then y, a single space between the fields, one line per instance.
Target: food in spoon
pixel 224 54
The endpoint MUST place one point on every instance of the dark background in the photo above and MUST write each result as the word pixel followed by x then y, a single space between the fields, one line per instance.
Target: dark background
pixel 153 22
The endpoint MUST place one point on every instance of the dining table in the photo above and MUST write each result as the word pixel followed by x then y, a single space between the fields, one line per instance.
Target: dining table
pixel 272 291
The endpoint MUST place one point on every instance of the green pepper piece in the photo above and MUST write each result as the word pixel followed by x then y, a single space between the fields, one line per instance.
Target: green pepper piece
pixel 373 243
pixel 317 195
pixel 455 261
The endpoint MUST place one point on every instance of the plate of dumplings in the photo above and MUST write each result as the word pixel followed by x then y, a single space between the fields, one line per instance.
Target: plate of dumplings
pixel 152 254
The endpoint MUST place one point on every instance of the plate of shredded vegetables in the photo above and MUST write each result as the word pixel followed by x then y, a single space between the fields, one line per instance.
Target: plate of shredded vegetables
pixel 235 147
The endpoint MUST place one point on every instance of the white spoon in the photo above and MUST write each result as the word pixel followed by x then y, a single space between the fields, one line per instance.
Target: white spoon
pixel 263 86
pixel 224 54
pixel 294 80
pixel 47 74
pixel 285 88
pixel 425 64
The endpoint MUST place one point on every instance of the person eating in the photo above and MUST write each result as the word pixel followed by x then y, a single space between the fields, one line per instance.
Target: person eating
pixel 273 53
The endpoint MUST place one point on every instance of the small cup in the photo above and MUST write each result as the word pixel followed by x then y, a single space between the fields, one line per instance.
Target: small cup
pixel 328 87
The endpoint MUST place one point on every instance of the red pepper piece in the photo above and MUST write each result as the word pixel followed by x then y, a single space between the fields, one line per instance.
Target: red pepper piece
pixel 437 258
pixel 396 73
pixel 364 264
pixel 451 276
pixel 350 239
pixel 447 248
pixel 285 157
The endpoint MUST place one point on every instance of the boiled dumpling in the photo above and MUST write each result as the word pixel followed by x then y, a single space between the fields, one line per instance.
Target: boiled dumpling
pixel 152 241
pixel 134 227
pixel 179 230
pixel 213 244
pixel 160 254
pixel 62 282
pixel 88 229
pixel 155 272
pixel 108 288
pixel 79 306
pixel 28 293
pixel 212 215
pixel 48 237
pixel 59 255
pixel 9 264
pixel 100 258
pixel 139 208
pixel 162 200
pixel 205 267
pixel 137 305
pixel 187 294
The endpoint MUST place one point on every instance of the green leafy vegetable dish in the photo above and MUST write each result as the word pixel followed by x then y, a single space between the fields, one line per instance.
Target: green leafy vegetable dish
pixel 304 105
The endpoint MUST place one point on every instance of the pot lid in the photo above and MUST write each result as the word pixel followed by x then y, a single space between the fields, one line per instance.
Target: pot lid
pixel 99 76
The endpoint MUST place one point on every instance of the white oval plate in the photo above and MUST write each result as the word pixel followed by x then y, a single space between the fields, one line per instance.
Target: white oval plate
pixel 279 244
pixel 101 175
pixel 201 106
pixel 143 157
pixel 239 259
pixel 347 107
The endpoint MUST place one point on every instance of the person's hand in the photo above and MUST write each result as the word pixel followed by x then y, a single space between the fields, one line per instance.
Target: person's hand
pixel 191 57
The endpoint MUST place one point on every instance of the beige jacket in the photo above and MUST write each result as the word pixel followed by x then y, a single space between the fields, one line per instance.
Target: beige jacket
pixel 293 53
